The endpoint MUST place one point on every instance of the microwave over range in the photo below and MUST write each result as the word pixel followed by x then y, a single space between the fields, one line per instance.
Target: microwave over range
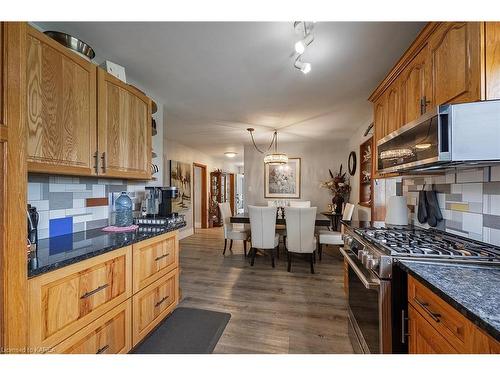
pixel 451 135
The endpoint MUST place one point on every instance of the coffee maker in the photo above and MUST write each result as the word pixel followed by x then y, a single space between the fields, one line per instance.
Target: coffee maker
pixel 33 217
pixel 158 202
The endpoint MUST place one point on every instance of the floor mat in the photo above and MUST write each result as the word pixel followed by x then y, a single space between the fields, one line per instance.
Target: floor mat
pixel 186 331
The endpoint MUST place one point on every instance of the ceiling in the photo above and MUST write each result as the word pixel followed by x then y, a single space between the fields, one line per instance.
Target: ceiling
pixel 218 78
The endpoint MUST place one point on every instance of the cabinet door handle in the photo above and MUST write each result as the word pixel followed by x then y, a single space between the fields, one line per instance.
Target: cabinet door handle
pixel 98 289
pixel 425 307
pixel 404 333
pixel 161 301
pixel 423 104
pixel 102 350
pixel 96 162
pixel 103 162
pixel 161 257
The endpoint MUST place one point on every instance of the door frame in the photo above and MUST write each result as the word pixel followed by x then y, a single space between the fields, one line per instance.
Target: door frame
pixel 204 195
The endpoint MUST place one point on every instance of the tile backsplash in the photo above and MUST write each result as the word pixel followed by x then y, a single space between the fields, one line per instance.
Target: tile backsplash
pixel 469 201
pixel 62 201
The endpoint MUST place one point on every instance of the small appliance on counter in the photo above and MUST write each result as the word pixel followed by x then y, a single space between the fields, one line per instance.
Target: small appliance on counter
pixel 397 211
pixel 157 207
pixel 33 217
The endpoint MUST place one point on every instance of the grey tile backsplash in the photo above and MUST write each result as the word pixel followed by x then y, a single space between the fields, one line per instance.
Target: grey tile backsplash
pixel 469 201
pixel 61 197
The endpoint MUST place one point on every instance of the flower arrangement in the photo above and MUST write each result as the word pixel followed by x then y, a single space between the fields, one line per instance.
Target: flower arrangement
pixel 339 187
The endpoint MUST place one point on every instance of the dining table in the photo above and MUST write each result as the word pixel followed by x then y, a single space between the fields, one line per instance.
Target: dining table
pixel 243 218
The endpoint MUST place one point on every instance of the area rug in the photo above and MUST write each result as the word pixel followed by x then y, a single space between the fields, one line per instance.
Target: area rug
pixel 186 331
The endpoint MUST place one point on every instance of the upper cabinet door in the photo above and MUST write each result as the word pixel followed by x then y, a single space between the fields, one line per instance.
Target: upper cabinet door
pixel 2 81
pixel 492 60
pixel 455 52
pixel 61 101
pixel 124 129
pixel 393 102
pixel 415 87
pixel 379 128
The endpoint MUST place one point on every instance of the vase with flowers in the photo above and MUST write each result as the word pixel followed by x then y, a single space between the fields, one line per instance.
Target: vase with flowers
pixel 339 187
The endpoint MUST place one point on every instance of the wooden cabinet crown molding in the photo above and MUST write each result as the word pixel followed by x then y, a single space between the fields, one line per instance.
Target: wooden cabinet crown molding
pixel 404 60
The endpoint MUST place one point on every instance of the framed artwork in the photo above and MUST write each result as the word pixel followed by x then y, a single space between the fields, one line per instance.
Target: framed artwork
pixel 180 176
pixel 282 181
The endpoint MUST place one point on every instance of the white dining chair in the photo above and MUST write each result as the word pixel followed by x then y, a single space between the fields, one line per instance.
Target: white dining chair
pixel 263 228
pixel 300 228
pixel 230 232
pixel 330 237
pixel 300 203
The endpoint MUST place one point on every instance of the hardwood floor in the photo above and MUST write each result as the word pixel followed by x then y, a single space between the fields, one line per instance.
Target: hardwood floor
pixel 272 311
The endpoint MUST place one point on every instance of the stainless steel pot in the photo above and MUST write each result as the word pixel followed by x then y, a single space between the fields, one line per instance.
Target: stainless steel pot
pixel 74 44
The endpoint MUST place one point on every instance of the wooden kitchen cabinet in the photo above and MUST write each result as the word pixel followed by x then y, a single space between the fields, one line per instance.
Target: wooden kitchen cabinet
pixel 455 58
pixel 437 327
pixel 154 258
pixel 394 119
pixel 64 301
pixel 61 108
pixel 379 126
pixel 416 96
pixel 152 304
pixel 109 334
pixel 124 129
pixel 424 339
pixel 492 37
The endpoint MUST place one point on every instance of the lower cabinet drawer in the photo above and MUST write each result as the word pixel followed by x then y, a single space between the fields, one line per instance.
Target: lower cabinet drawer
pixel 153 303
pixel 110 334
pixel 64 301
pixel 424 338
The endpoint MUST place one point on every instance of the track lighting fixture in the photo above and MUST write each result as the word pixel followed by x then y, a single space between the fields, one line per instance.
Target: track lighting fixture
pixel 305 29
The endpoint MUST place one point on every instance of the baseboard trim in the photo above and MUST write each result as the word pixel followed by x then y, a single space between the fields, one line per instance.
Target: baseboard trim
pixel 186 233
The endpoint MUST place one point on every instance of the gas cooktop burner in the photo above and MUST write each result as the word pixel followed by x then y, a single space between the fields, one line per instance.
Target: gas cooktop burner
pixel 413 242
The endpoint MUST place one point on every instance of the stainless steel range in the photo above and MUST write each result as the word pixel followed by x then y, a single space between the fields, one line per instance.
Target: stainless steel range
pixel 377 289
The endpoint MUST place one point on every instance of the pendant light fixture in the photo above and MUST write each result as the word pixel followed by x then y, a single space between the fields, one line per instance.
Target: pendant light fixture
pixel 274 157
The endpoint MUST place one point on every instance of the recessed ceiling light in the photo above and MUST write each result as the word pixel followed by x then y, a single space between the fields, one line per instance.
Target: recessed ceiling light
pixel 230 154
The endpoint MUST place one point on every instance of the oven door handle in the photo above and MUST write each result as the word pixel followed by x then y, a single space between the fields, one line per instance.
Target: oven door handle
pixel 369 284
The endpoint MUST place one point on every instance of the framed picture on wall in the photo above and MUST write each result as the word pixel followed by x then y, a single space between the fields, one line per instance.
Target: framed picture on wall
pixel 180 176
pixel 282 181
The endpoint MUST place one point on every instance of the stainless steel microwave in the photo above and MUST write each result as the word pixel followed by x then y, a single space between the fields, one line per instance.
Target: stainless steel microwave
pixel 463 134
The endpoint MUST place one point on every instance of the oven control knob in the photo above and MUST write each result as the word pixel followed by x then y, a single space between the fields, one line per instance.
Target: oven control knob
pixel 371 263
pixel 366 258
pixel 361 254
pixel 347 240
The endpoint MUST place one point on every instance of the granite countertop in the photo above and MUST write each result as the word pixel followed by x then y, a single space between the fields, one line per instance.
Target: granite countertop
pixel 474 290
pixel 360 224
pixel 57 252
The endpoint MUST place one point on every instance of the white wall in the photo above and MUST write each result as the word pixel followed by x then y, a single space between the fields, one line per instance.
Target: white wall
pixel 175 151
pixel 316 159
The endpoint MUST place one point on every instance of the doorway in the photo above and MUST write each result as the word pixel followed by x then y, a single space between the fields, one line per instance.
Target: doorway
pixel 200 193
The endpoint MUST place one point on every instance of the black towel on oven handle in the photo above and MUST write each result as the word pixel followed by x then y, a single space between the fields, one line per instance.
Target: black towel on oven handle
pixel 434 215
pixel 422 207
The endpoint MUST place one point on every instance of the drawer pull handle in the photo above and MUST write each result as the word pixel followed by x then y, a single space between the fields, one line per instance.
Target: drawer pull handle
pixel 425 306
pixel 161 301
pixel 103 349
pixel 161 257
pixel 98 289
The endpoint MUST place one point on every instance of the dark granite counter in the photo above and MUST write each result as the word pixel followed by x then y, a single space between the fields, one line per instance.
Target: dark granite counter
pixel 472 289
pixel 353 224
pixel 61 251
